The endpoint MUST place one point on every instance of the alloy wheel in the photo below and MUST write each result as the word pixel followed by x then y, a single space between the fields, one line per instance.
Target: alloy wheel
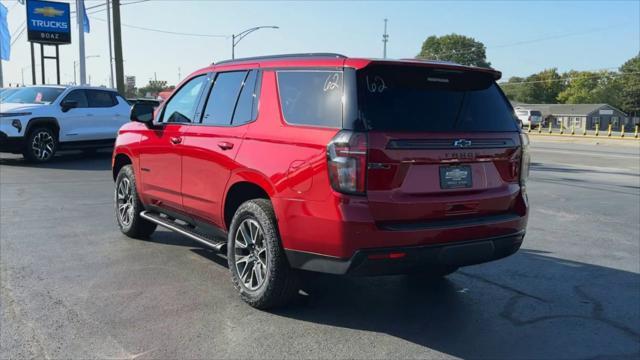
pixel 250 254
pixel 125 202
pixel 42 146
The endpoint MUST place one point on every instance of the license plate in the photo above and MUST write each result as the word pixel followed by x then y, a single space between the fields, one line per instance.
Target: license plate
pixel 455 177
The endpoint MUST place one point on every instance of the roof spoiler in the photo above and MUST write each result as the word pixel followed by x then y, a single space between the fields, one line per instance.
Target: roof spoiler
pixel 497 75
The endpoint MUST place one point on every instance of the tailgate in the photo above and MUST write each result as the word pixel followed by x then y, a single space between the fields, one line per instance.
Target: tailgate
pixel 407 176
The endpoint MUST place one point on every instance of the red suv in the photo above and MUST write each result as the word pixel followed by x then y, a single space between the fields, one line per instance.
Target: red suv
pixel 326 163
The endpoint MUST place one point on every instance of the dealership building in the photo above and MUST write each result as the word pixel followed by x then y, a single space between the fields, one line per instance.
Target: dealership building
pixel 582 116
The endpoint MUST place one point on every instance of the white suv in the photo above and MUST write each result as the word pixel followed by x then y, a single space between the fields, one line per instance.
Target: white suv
pixel 39 120
pixel 529 117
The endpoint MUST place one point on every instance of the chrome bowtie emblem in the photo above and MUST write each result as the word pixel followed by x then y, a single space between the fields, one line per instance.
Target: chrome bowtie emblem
pixel 462 143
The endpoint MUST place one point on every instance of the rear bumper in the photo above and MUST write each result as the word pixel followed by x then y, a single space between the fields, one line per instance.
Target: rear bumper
pixel 402 260
pixel 11 144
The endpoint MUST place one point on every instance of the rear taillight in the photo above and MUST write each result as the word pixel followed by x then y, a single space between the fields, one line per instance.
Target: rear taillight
pixel 347 162
pixel 525 159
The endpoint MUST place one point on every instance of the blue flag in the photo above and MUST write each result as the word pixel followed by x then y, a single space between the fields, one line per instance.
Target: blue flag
pixel 85 19
pixel 5 37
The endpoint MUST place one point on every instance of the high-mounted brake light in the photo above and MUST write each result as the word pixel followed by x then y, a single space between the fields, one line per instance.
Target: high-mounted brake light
pixel 347 162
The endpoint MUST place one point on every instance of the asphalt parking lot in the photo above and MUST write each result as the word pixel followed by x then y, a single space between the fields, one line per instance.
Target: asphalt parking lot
pixel 73 287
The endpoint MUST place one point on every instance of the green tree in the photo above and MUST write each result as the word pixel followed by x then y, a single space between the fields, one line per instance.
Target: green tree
pixel 457 48
pixel 539 88
pixel 153 88
pixel 630 86
pixel 586 87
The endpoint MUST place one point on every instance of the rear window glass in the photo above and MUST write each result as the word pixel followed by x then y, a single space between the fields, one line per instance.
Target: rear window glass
pixel 405 98
pixel 535 113
pixel 311 97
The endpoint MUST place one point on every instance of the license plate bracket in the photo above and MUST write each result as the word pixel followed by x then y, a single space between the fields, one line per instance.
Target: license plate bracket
pixel 455 177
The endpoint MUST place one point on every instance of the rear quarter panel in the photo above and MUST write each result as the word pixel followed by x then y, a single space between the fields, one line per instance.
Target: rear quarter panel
pixel 289 161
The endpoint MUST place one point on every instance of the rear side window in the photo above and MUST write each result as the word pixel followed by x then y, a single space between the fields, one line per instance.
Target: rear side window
pixel 223 97
pixel 98 98
pixel 522 112
pixel 311 97
pixel 80 96
pixel 246 109
pixel 407 98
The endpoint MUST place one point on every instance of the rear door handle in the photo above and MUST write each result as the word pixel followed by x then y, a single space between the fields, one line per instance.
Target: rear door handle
pixel 176 140
pixel 225 145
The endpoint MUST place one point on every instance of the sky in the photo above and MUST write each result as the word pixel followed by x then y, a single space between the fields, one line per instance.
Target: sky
pixel 522 37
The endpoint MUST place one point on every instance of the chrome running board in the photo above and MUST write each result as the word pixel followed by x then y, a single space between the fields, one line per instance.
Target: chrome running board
pixel 217 245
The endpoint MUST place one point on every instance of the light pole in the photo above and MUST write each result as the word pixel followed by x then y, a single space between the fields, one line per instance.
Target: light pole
pixel 75 64
pixel 235 38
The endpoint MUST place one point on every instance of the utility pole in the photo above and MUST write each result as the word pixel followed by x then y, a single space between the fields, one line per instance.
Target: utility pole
pixel 110 48
pixel 385 40
pixel 80 18
pixel 117 46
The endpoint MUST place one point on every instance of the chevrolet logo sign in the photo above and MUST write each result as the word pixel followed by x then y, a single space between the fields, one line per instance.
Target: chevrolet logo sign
pixel 48 11
pixel 462 143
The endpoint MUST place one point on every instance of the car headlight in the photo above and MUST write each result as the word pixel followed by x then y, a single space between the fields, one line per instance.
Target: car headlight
pixel 14 114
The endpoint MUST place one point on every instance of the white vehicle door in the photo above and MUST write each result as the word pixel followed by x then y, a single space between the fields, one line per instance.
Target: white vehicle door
pixel 76 122
pixel 109 113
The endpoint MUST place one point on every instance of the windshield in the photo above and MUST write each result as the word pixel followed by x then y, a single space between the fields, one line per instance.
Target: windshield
pixel 34 95
pixel 409 98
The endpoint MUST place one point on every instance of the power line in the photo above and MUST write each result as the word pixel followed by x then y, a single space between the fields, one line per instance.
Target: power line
pixel 167 31
pixel 567 78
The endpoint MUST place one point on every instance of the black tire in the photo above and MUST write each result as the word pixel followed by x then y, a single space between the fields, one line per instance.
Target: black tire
pixel 41 145
pixel 280 282
pixel 129 221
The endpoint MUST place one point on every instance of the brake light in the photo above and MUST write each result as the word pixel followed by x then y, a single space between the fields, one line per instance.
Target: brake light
pixel 347 162
pixel 525 159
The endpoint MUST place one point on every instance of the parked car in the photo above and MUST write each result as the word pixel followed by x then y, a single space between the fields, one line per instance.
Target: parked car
pixel 325 163
pixel 528 117
pixel 37 121
pixel 153 102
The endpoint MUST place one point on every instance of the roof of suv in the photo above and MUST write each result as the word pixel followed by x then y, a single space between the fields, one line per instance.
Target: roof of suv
pixel 337 60
pixel 84 87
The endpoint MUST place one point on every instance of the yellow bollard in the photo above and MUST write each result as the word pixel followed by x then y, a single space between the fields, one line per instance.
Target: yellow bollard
pixel 529 129
pixel 622 131
pixel 550 131
pixel 609 130
pixel 540 129
pixel 597 129
pixel 635 134
pixel 561 128
pixel 573 129
pixel 584 132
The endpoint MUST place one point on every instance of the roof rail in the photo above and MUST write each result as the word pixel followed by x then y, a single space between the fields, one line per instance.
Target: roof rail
pixel 282 56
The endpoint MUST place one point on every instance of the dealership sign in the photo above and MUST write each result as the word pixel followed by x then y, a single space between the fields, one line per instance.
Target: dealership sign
pixel 48 22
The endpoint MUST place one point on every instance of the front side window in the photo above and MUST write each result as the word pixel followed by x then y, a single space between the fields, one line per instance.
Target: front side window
pixel 311 97
pixel 223 98
pixel 100 99
pixel 182 106
pixel 79 96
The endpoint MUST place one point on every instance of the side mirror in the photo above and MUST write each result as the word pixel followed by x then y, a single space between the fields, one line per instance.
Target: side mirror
pixel 143 113
pixel 67 105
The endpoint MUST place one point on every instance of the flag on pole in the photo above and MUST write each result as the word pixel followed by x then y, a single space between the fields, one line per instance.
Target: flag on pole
pixel 5 37
pixel 85 19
